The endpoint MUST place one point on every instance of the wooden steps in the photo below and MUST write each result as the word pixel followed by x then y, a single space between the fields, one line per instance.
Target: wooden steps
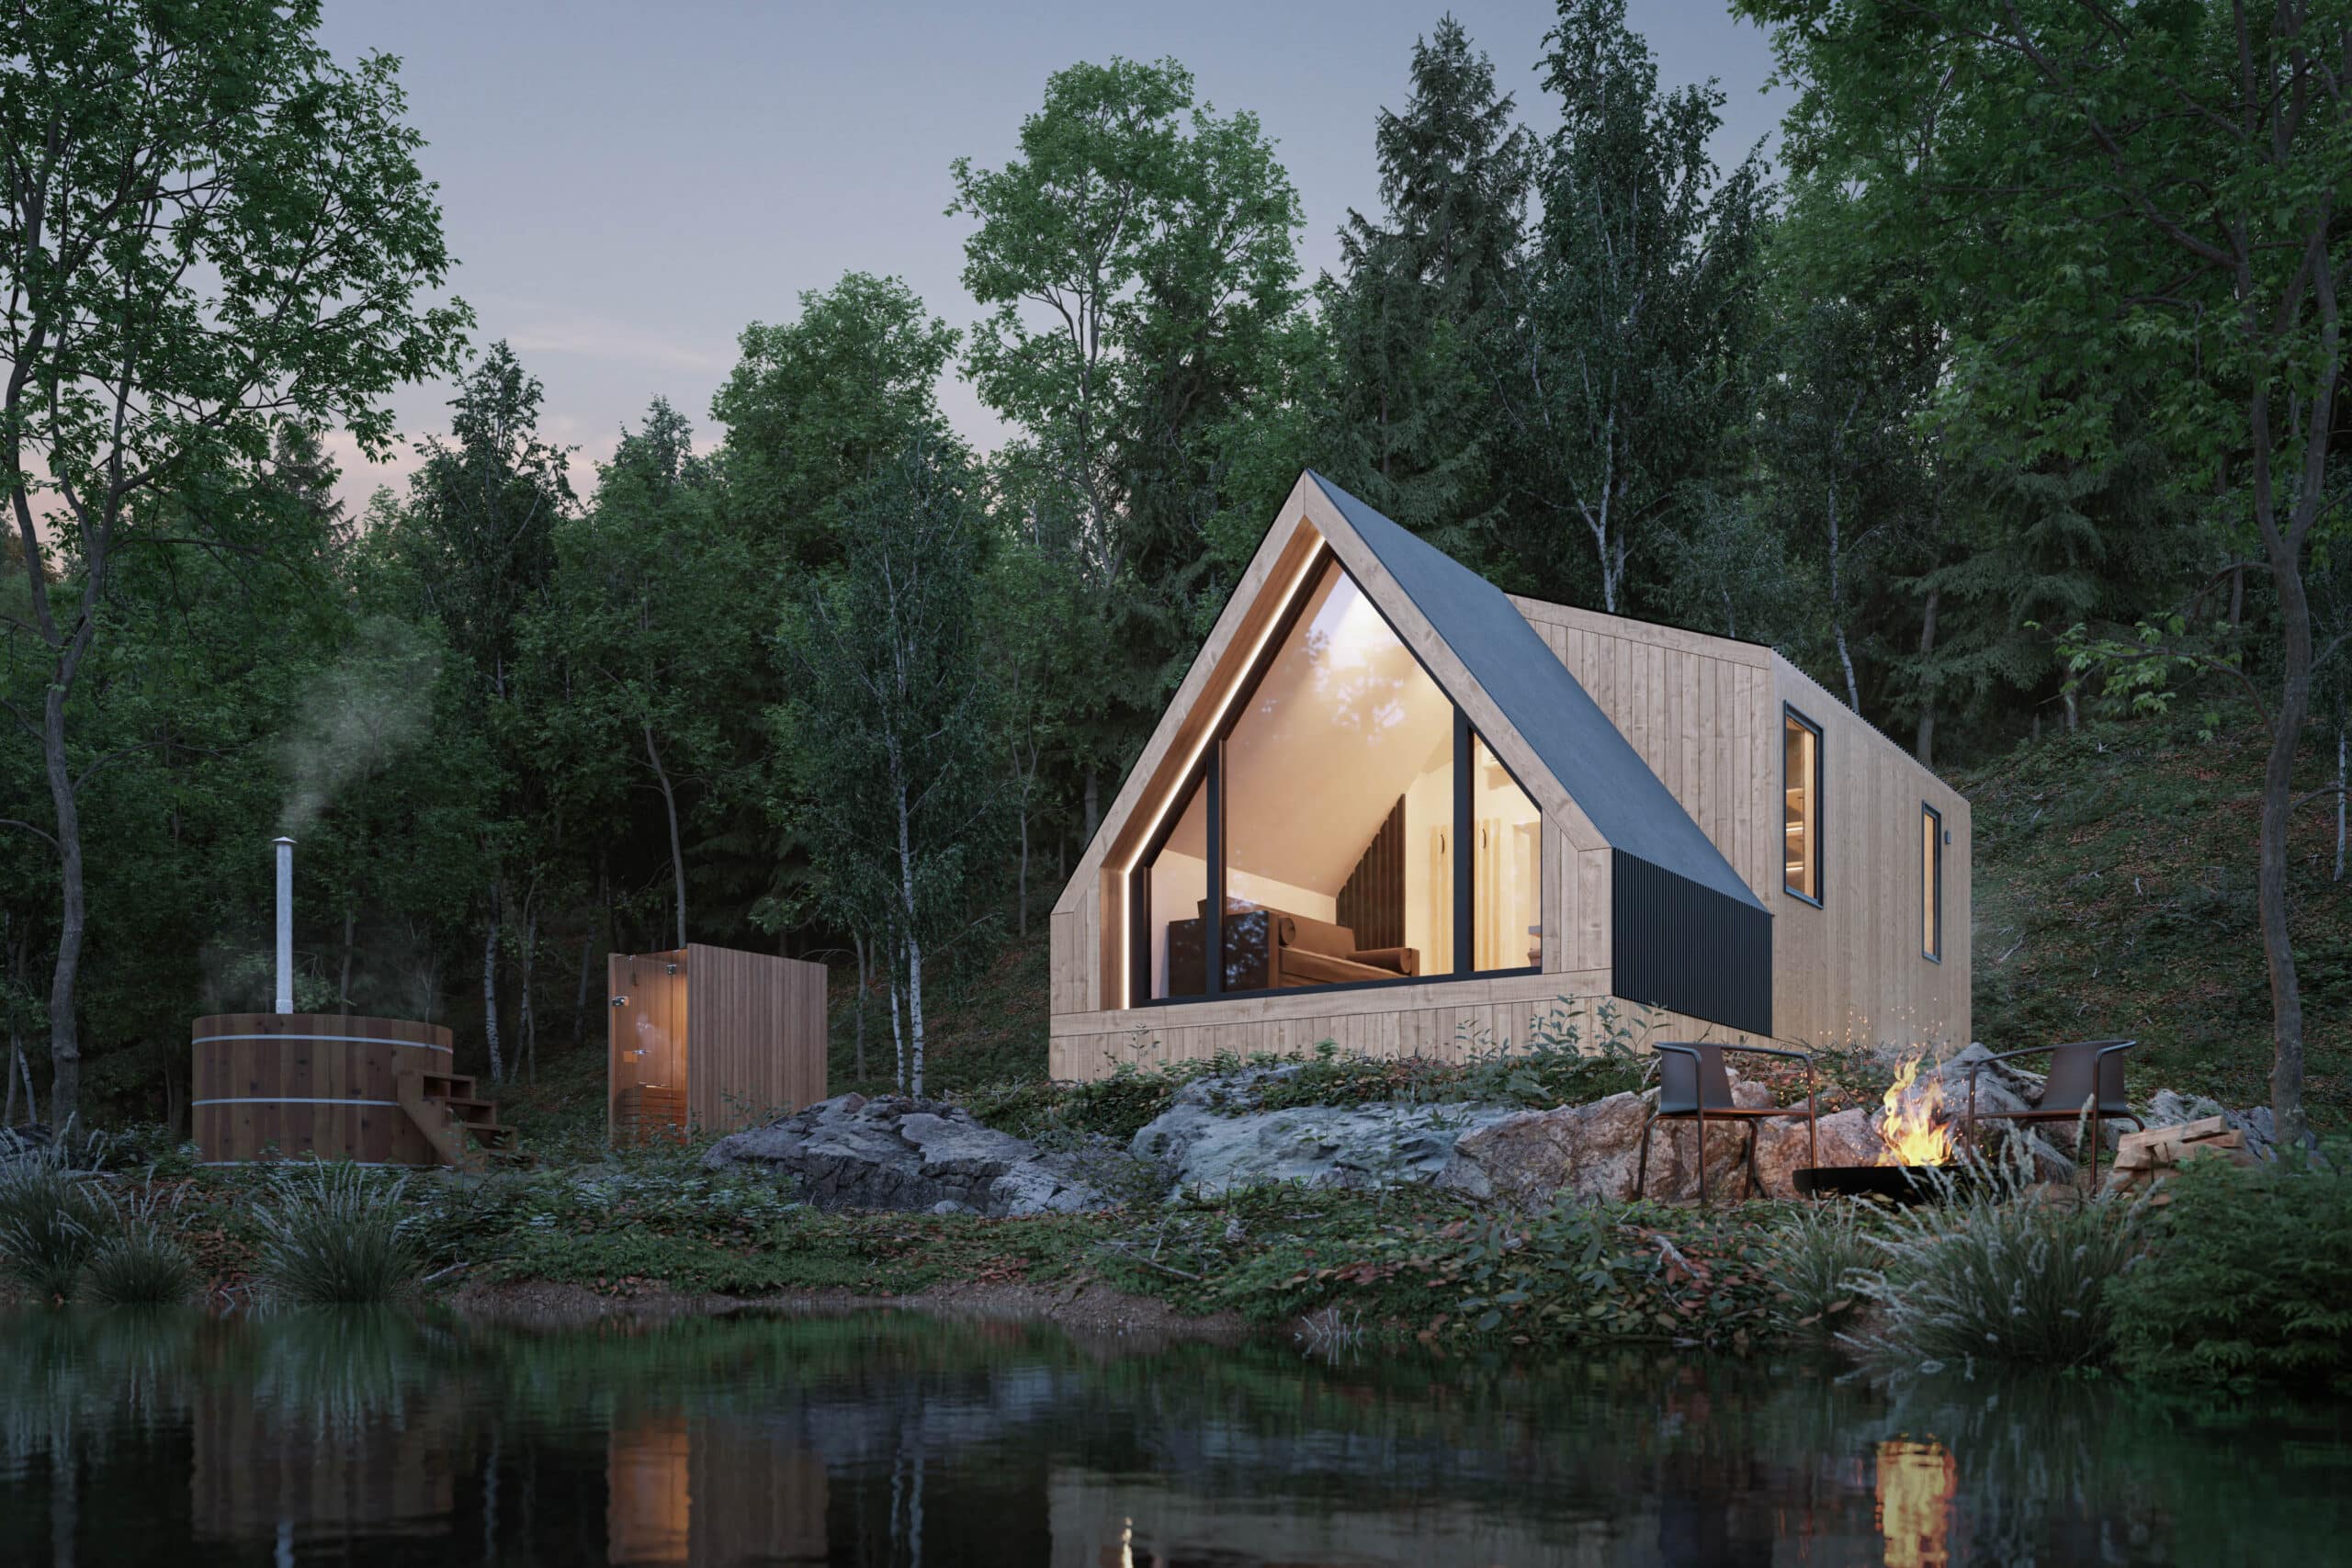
pixel 462 1127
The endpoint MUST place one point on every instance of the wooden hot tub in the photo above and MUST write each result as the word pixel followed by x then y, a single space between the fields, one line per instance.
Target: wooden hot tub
pixel 324 1086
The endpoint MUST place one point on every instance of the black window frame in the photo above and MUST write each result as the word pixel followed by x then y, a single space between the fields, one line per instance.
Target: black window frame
pixel 1209 773
pixel 1932 947
pixel 1816 844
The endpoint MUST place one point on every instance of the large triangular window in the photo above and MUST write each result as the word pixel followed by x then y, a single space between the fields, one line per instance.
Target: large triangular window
pixel 1318 842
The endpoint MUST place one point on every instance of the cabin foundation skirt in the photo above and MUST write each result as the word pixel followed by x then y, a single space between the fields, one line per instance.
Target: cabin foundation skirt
pixel 310 1086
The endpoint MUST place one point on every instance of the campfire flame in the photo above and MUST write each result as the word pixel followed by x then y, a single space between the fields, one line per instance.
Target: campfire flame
pixel 1911 1120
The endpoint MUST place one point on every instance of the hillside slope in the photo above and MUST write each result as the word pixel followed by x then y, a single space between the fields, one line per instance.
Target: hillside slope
pixel 2115 897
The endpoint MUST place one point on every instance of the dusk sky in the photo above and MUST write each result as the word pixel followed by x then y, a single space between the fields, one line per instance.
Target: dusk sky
pixel 626 186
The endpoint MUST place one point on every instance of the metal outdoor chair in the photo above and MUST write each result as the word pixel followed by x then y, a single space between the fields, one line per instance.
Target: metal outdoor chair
pixel 1692 1085
pixel 2082 1073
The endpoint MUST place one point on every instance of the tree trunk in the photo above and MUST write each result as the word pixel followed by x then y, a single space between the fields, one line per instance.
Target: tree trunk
pixel 677 855
pixel 1926 750
pixel 857 940
pixel 64 1037
pixel 1094 806
pixel 899 784
pixel 527 1021
pixel 2277 799
pixel 897 1032
pixel 490 988
pixel 1021 882
pixel 579 1006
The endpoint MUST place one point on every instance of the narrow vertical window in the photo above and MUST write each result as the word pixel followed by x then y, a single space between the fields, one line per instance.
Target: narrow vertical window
pixel 1931 883
pixel 1801 795
pixel 1508 868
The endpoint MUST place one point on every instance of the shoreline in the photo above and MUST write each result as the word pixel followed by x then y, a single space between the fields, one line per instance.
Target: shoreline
pixel 1085 1309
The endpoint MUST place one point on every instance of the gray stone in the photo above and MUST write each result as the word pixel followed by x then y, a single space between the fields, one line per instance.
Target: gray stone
pixel 1211 1140
pixel 892 1151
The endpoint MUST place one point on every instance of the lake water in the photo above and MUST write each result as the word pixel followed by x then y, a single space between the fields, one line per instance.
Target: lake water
pixel 899 1440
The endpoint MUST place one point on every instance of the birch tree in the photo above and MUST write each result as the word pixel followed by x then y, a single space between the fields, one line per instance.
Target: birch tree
pixel 889 733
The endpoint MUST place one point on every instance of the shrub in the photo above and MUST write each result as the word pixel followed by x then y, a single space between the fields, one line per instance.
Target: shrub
pixel 1816 1256
pixel 334 1237
pixel 1992 1275
pixel 2245 1279
pixel 51 1216
pixel 139 1265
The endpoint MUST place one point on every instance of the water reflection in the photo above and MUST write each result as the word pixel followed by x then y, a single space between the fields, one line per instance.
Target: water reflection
pixel 901 1440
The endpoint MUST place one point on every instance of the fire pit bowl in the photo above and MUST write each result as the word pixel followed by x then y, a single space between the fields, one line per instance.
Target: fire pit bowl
pixel 1898 1184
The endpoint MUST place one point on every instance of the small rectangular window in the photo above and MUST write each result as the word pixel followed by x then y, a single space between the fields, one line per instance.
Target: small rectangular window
pixel 1801 795
pixel 1931 883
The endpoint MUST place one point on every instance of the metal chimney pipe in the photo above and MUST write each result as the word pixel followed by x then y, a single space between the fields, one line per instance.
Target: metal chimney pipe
pixel 285 924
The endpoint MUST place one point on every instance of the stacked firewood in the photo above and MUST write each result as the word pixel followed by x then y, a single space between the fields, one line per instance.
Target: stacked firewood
pixel 2143 1160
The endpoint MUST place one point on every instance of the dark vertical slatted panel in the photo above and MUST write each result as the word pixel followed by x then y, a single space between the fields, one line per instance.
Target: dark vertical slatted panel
pixel 1372 903
pixel 1677 945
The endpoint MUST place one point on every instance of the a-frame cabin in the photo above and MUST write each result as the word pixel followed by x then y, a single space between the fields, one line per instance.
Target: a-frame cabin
pixel 1393 807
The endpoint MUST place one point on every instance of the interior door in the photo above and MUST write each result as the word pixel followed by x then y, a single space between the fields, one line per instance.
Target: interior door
pixel 647 1037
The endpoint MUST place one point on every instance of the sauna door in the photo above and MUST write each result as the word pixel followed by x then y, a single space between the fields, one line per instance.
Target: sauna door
pixel 648 1039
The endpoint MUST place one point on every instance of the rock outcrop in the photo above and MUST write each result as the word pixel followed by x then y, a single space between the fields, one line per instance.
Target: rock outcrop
pixel 898 1153
pixel 1212 1138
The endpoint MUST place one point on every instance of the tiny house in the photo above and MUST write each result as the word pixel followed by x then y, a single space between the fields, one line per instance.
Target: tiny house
pixel 711 1038
pixel 1392 807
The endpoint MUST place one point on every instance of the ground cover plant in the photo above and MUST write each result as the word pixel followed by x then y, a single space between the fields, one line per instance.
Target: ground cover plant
pixel 2247 1280
pixel 51 1216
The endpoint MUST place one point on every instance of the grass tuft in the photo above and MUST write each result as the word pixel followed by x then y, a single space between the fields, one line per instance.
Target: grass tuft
pixel 334 1237
pixel 140 1263
pixel 51 1218
pixel 1994 1275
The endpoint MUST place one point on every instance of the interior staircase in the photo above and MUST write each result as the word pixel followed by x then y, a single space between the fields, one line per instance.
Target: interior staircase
pixel 462 1127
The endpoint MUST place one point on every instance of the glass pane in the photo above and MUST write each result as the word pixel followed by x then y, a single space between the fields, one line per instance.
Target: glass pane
pixel 1801 757
pixel 1508 871
pixel 1178 882
pixel 1339 807
pixel 1931 883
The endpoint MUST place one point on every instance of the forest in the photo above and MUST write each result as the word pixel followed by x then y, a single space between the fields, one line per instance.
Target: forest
pixel 2004 398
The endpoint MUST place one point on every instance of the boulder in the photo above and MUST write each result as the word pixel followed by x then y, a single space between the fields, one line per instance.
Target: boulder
pixel 898 1153
pixel 1592 1152
pixel 1212 1141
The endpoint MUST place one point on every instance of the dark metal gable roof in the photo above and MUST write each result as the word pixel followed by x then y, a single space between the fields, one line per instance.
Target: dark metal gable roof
pixel 1594 764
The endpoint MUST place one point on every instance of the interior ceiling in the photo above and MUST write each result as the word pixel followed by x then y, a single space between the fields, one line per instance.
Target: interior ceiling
pixel 1342 723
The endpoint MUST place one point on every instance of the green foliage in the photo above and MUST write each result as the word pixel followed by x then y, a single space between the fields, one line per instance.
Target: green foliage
pixel 2243 1281
pixel 1816 1253
pixel 51 1217
pixel 139 1262
pixel 333 1236
pixel 1995 1275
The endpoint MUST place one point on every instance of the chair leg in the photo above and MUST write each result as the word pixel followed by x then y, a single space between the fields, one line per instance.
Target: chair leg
pixel 1641 1169
pixel 1703 1152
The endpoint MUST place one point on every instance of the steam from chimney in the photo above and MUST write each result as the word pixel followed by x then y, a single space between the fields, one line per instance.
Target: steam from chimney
pixel 285 924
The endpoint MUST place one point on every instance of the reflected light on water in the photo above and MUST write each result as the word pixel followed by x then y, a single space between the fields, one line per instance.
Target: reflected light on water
pixel 1917 1483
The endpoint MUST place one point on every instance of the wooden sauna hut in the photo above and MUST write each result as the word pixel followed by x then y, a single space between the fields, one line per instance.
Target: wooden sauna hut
pixel 1392 807
pixel 710 1039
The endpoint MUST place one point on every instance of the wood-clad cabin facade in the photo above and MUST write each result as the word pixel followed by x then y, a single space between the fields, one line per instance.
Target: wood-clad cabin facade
pixel 1687 826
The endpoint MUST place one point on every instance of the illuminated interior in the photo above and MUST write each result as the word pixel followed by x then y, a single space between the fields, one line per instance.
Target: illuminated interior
pixel 1510 867
pixel 1330 797
pixel 1931 883
pixel 1801 791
